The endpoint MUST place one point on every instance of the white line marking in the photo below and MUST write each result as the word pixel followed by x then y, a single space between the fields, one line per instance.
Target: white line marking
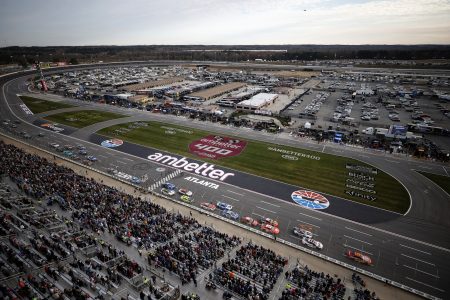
pixel 64 139
pixel 430 286
pixel 308 223
pixel 362 155
pixel 425 167
pixel 258 215
pixel 235 193
pixel 230 198
pixel 425 262
pixel 445 170
pixel 266 209
pixel 415 249
pixel 121 162
pixel 311 216
pixel 393 161
pixel 297 237
pixel 358 240
pixel 270 203
pixel 102 156
pixel 345 245
pixel 418 270
pixel 124 158
pixel 357 231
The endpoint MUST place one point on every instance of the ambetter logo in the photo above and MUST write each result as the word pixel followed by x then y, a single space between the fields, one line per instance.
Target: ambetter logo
pixel 215 147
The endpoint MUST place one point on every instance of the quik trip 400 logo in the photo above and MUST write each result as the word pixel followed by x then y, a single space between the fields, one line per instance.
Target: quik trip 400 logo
pixel 216 147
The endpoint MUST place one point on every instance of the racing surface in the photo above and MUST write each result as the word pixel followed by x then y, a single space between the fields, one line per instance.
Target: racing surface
pixel 409 249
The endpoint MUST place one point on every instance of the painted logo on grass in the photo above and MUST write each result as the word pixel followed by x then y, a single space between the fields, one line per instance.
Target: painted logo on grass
pixel 112 143
pixel 310 199
pixel 215 146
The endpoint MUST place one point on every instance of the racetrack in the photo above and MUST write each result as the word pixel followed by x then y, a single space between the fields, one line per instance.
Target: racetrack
pixel 401 246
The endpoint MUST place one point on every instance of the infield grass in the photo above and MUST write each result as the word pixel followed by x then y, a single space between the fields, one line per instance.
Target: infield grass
pixel 441 180
pixel 37 105
pixel 83 118
pixel 327 175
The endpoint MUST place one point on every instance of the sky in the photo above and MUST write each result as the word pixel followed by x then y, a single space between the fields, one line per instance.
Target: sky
pixel 223 22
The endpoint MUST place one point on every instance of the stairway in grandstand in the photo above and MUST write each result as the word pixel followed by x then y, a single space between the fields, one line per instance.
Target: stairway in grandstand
pixel 165 179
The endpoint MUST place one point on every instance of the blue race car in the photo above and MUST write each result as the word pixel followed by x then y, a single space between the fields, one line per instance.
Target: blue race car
pixel 224 206
pixel 169 186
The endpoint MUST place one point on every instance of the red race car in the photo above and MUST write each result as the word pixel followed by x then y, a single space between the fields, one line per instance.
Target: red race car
pixel 270 229
pixel 250 221
pixel 208 206
pixel 359 257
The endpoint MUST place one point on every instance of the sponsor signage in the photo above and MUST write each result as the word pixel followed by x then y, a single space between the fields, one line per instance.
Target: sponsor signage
pixel 216 147
pixel 361 176
pixel 204 169
pixel 177 130
pixel 360 195
pixel 360 188
pixel 310 199
pixel 52 127
pixel 364 169
pixel 202 182
pixel 293 153
pixel 26 109
pixel 289 157
pixel 112 143
pixel 361 183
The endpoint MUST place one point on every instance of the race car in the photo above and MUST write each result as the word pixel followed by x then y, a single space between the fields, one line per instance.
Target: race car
pixel 250 221
pixel 224 206
pixel 208 206
pixel 230 214
pixel 168 185
pixel 167 192
pixel 92 158
pixel 270 221
pixel 185 192
pixel 270 229
pixel 186 198
pixel 298 231
pixel 82 152
pixel 359 257
pixel 312 243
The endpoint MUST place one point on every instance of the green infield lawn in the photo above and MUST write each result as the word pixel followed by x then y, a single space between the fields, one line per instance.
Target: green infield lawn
pixel 83 118
pixel 441 180
pixel 38 105
pixel 327 175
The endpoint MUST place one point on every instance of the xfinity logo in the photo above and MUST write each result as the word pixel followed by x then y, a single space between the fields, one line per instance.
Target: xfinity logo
pixel 204 169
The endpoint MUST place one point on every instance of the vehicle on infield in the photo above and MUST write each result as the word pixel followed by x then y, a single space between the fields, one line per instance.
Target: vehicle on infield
pixel 312 243
pixel 270 229
pixel 224 206
pixel 270 221
pixel 169 186
pixel 230 214
pixel 359 257
pixel 185 192
pixel 167 192
pixel 250 221
pixel 208 206
pixel 186 198
pixel 298 231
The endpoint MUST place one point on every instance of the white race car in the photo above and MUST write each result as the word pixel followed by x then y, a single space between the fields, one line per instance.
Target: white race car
pixel 298 231
pixel 312 243
pixel 185 192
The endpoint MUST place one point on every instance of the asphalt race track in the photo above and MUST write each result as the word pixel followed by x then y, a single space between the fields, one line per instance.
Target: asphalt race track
pixel 411 249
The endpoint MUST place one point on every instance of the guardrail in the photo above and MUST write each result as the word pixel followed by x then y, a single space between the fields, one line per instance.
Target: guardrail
pixel 290 244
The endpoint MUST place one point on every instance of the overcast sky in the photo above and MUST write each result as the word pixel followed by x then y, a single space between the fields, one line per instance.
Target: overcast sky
pixel 146 22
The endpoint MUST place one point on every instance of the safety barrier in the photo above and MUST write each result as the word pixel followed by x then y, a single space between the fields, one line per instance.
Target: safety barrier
pixel 290 244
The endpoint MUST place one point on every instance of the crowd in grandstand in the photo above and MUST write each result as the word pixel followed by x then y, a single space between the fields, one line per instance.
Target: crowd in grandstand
pixel 174 242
